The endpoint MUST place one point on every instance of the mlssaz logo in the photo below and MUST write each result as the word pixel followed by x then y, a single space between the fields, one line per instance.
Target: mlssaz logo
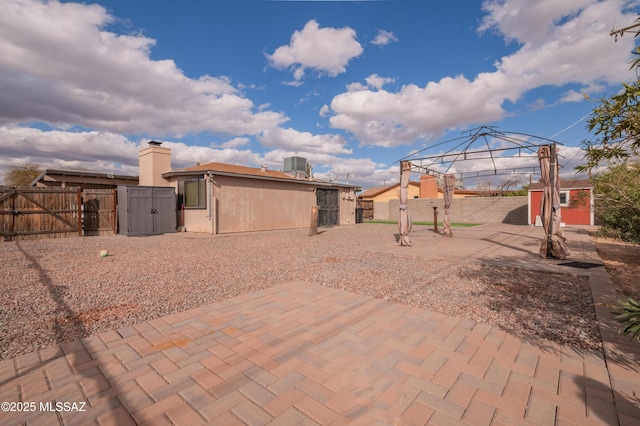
pixel 62 406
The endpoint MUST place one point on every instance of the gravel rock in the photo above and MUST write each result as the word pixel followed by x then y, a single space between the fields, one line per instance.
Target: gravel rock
pixel 56 290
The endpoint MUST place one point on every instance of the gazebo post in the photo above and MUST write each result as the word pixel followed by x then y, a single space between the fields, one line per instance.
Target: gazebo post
pixel 404 221
pixel 552 179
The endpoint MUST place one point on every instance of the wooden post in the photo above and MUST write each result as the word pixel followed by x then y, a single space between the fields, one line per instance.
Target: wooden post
pixel 14 195
pixel 313 230
pixel 79 195
pixel 114 203
pixel 435 219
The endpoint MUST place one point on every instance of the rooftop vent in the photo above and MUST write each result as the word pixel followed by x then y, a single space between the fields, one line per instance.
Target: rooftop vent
pixel 155 143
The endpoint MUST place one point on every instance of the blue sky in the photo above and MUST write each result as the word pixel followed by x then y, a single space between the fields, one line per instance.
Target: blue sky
pixel 353 86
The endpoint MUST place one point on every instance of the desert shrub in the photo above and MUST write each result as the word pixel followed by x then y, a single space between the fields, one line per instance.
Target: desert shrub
pixel 617 201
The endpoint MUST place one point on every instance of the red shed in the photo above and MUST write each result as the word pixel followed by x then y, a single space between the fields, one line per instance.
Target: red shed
pixel 576 199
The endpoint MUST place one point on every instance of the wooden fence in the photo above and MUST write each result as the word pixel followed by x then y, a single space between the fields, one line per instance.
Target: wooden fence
pixel 367 208
pixel 34 212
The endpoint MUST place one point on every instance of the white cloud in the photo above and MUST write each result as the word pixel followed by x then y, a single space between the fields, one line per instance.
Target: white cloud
pixel 76 73
pixel 235 143
pixel 112 153
pixel 41 146
pixel 96 151
pixel 103 152
pixel 293 83
pixel 324 111
pixel 583 94
pixel 526 21
pixel 390 119
pixel 326 50
pixel 374 80
pixel 187 156
pixel 538 104
pixel 573 96
pixel 557 45
pixel 355 86
pixel 362 171
pixel 383 38
pixel 306 142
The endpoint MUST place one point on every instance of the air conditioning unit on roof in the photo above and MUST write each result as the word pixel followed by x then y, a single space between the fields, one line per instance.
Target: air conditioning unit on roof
pixel 295 165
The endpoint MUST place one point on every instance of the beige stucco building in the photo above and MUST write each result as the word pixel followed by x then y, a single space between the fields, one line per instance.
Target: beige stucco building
pixel 392 192
pixel 218 198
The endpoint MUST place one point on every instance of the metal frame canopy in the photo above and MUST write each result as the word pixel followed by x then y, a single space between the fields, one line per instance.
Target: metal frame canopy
pixel 481 144
pixel 475 147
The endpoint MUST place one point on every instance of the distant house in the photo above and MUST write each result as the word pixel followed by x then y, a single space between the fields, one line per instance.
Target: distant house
pixel 82 179
pixel 426 188
pixel 576 201
pixel 219 198
pixel 375 201
pixel 391 192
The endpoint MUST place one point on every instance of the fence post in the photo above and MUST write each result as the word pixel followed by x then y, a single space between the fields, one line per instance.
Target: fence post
pixel 79 198
pixel 435 219
pixel 313 230
pixel 115 210
pixel 13 214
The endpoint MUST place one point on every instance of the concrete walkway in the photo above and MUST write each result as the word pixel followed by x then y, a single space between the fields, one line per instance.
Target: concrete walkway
pixel 306 354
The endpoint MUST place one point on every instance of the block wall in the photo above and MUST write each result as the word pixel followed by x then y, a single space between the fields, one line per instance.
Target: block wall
pixel 512 210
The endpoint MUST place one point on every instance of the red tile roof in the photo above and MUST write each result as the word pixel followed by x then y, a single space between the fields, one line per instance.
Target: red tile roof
pixel 240 170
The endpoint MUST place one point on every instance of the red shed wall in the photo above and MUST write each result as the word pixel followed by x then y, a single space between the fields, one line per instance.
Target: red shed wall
pixel 536 200
pixel 580 215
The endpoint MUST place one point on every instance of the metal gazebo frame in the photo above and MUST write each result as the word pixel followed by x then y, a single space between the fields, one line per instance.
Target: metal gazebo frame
pixel 464 150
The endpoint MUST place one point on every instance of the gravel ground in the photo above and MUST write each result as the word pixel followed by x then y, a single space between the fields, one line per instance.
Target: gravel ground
pixel 56 290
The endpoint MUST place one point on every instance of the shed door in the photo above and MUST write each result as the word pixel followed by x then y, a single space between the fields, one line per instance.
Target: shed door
pixel 140 211
pixel 328 207
pixel 164 213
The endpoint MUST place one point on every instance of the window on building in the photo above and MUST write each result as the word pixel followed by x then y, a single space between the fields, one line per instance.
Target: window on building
pixel 195 194
pixel 564 198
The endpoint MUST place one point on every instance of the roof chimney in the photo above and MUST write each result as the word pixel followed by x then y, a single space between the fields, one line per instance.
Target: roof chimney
pixel 153 161
pixel 428 186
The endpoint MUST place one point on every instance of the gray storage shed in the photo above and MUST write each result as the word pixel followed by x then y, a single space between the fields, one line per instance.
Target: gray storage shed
pixel 146 210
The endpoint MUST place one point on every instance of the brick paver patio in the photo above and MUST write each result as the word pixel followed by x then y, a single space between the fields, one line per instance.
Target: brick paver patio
pixel 300 353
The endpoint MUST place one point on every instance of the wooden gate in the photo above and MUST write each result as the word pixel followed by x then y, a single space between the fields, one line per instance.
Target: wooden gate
pixel 99 213
pixel 35 212
pixel 30 211
pixel 367 208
